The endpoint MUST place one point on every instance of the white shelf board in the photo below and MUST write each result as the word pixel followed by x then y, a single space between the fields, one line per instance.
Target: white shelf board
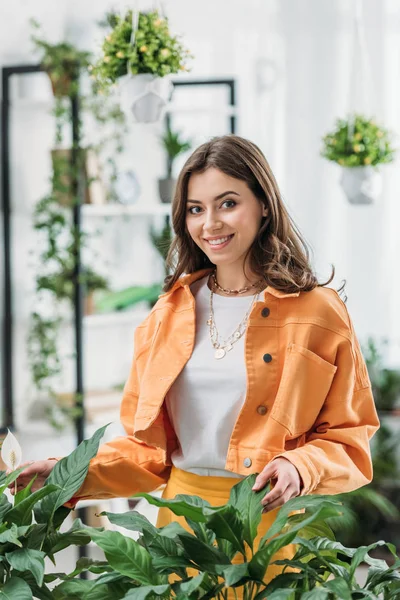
pixel 115 318
pixel 118 210
pixel 32 104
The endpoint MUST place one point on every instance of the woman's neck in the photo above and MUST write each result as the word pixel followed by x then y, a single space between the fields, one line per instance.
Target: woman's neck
pixel 234 279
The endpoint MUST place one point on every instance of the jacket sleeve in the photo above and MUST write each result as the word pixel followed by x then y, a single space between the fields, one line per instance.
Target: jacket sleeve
pixel 336 455
pixel 124 466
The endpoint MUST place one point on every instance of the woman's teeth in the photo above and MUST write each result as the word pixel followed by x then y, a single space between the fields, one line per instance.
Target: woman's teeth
pixel 219 241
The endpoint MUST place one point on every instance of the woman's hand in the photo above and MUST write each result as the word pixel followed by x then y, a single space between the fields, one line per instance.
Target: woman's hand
pixel 287 482
pixel 40 468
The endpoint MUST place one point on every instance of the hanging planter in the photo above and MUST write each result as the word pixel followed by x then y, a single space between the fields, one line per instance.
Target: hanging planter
pixel 359 146
pixel 139 55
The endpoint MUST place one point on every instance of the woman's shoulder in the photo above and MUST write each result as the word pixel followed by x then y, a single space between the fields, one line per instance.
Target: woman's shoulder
pixel 325 306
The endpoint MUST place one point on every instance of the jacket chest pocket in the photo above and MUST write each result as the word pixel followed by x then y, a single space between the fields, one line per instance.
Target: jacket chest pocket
pixel 304 386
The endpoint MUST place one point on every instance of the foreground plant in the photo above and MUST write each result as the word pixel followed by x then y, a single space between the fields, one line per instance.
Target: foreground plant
pixel 200 563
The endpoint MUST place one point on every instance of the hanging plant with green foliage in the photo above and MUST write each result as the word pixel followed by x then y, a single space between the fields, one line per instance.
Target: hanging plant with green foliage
pixel 358 142
pixel 155 50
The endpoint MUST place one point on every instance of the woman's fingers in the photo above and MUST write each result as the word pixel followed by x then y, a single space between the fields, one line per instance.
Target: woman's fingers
pixel 287 486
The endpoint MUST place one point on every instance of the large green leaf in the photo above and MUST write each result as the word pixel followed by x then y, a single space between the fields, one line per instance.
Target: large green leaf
pixel 204 556
pixel 69 474
pixel 182 505
pixel 82 589
pixel 226 524
pixel 25 492
pixel 282 594
pixel 132 520
pixel 15 589
pixel 11 536
pixel 261 559
pixel 77 535
pixel 5 507
pixel 144 592
pixel 234 574
pixel 248 504
pixel 188 587
pixel 5 480
pixel 166 554
pixel 318 593
pixel 88 564
pixel 314 505
pixel 21 514
pixel 126 556
pixel 30 560
pixel 340 587
pixel 361 555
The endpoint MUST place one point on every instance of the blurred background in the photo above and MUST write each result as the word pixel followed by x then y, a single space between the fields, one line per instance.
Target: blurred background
pixel 315 84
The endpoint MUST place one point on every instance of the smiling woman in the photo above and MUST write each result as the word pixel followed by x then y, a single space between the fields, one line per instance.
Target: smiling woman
pixel 246 364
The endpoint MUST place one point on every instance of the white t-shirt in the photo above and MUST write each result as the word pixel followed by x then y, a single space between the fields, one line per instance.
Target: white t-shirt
pixel 205 400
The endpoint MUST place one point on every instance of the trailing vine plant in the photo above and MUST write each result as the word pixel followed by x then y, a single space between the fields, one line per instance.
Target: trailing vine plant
pixel 58 240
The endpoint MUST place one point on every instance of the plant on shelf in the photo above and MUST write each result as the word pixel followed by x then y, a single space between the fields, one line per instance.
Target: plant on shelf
pixel 139 53
pixel 359 145
pixel 172 562
pixel 173 145
pixel 60 61
pixel 59 240
pixel 162 241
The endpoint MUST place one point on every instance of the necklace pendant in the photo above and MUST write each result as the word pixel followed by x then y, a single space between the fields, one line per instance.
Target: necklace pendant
pixel 219 353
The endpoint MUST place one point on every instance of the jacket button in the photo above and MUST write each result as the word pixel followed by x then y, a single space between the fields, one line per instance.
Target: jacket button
pixel 267 358
pixel 247 462
pixel 262 410
pixel 265 312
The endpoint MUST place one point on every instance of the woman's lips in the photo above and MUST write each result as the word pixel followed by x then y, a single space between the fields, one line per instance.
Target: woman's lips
pixel 220 246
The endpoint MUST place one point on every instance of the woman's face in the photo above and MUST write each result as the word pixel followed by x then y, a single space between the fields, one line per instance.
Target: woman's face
pixel 222 216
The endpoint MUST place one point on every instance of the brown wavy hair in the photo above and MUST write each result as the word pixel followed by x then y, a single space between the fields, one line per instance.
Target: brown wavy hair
pixel 279 254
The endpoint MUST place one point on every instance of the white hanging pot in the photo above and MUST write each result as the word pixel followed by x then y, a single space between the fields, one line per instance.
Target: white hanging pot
pixel 145 96
pixel 362 185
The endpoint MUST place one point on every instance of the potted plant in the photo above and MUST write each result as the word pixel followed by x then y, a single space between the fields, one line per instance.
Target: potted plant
pixel 385 382
pixel 60 62
pixel 173 146
pixel 359 145
pixel 171 562
pixel 139 54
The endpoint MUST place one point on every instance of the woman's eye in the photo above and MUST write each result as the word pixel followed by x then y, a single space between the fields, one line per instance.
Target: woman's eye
pixel 231 203
pixel 192 210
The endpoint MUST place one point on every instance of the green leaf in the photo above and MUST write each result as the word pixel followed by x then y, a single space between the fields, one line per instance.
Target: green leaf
pixel 234 574
pixel 227 524
pixel 76 536
pixel 206 557
pixel 281 594
pixel 340 587
pixel 5 480
pixel 126 556
pixel 24 493
pixel 188 587
pixel 5 507
pixel 261 559
pixel 182 505
pixel 21 514
pixel 318 593
pixel 27 559
pixel 15 589
pixel 69 474
pixel 144 592
pixel 248 504
pixel 132 520
pixel 11 536
pixel 314 505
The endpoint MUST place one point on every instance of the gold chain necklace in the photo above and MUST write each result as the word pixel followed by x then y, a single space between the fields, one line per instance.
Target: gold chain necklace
pixel 228 291
pixel 221 348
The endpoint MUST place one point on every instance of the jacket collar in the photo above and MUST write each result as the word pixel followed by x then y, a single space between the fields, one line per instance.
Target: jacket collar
pixel 187 280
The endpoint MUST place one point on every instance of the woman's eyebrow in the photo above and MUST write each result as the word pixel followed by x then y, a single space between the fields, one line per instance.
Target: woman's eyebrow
pixel 216 197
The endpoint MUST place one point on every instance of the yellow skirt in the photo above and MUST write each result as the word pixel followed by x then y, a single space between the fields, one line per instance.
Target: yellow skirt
pixel 216 490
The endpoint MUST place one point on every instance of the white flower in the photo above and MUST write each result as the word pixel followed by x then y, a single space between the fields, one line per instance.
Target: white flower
pixel 11 452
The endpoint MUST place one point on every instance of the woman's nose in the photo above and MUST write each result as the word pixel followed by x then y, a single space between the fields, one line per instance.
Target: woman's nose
pixel 212 222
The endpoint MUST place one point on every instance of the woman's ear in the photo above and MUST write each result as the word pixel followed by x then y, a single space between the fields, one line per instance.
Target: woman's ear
pixel 265 211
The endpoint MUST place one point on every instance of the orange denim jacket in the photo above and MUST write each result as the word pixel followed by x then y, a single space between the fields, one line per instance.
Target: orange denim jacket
pixel 308 396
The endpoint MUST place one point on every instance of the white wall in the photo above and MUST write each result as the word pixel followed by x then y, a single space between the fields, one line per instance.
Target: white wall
pixel 305 47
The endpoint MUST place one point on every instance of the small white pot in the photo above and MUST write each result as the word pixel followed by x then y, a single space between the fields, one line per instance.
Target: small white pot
pixel 144 96
pixel 362 185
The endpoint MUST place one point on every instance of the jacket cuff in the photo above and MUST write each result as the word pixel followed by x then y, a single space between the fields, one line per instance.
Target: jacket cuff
pixel 306 469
